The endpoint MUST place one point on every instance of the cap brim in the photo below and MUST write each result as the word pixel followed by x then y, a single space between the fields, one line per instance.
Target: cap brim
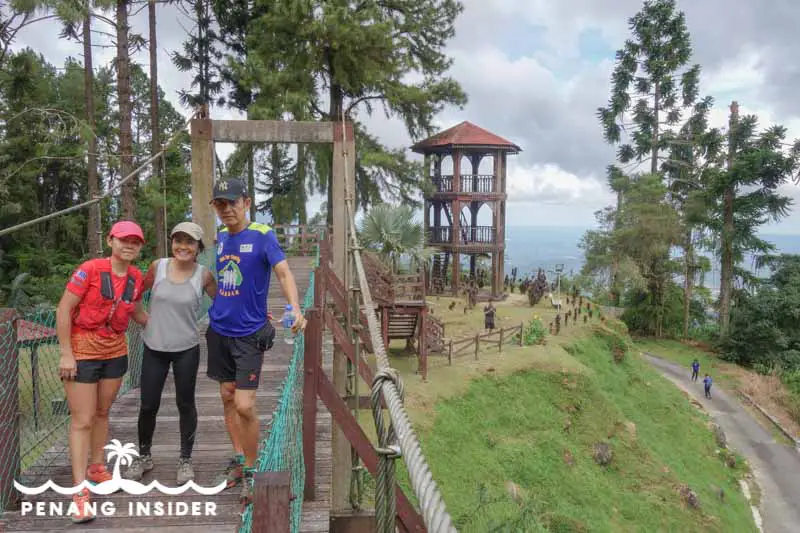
pixel 126 235
pixel 229 197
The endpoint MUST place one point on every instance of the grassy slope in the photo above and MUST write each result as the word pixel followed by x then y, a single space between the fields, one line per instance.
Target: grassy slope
pixel 498 423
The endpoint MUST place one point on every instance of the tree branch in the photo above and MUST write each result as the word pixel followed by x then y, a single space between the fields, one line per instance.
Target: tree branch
pixel 357 101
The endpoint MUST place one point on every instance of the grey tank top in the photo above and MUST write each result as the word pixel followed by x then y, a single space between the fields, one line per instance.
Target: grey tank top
pixel 172 326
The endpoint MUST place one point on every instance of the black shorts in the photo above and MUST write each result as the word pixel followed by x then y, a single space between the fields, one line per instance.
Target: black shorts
pixel 93 370
pixel 238 359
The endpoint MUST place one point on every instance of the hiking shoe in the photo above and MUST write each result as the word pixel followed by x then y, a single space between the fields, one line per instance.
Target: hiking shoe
pixel 139 467
pixel 233 473
pixel 97 474
pixel 185 471
pixel 83 511
pixel 246 494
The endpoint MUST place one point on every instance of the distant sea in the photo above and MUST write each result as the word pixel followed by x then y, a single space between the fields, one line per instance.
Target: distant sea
pixel 530 247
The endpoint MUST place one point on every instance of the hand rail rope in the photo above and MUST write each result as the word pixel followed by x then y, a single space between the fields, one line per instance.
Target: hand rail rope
pixel 101 197
pixel 435 514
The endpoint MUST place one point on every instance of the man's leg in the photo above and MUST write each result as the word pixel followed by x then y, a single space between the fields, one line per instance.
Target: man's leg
pixel 248 424
pixel 221 368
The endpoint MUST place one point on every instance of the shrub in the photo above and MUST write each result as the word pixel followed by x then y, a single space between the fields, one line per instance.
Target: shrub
pixel 533 332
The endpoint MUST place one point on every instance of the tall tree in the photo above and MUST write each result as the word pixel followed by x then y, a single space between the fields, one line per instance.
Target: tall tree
pixel 123 67
pixel 200 54
pixel 361 56
pixel 155 140
pixel 744 196
pixel 653 82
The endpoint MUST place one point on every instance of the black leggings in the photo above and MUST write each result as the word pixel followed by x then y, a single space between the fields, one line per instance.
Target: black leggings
pixel 155 367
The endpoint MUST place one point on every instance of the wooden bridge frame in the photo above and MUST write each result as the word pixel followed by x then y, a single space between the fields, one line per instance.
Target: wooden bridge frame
pixel 273 494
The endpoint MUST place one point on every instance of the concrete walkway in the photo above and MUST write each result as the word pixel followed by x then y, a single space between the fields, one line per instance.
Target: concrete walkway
pixel 775 465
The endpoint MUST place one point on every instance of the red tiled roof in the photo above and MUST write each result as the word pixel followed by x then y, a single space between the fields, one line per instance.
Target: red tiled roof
pixel 464 134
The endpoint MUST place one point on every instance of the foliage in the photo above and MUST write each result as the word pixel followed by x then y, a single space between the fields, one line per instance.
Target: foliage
pixel 763 332
pixel 534 332
pixel 393 232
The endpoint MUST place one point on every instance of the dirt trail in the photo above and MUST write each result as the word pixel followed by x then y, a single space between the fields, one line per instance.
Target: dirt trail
pixel 776 466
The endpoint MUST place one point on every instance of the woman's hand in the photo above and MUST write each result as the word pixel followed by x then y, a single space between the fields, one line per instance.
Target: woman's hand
pixel 67 366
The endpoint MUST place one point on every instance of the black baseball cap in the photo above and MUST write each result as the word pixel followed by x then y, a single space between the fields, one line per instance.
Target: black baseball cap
pixel 229 189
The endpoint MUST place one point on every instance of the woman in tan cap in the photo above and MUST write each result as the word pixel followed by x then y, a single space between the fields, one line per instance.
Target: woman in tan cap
pixel 172 337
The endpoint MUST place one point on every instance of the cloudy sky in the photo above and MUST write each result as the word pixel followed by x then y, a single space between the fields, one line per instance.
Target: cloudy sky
pixel 535 72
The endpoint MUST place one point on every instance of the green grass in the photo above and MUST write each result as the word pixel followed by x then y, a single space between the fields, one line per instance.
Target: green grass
pixel 499 450
pixel 721 371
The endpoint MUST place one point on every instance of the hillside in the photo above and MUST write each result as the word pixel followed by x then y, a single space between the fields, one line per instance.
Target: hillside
pixel 511 437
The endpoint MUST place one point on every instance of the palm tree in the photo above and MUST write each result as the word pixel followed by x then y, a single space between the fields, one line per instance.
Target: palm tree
pixel 392 232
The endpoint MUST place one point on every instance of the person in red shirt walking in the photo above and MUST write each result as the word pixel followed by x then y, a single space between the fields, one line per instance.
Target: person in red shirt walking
pixel 91 320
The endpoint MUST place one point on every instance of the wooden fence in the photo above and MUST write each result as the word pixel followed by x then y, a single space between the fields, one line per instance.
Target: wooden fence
pixel 472 344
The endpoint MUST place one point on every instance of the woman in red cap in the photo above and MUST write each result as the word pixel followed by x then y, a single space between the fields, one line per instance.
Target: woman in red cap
pixel 91 320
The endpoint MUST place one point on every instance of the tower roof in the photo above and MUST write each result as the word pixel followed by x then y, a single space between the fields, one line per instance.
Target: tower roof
pixel 465 134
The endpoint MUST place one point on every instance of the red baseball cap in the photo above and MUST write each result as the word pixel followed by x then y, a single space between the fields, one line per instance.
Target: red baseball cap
pixel 126 228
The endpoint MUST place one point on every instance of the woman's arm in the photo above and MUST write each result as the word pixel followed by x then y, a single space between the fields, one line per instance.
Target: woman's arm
pixel 210 283
pixel 67 365
pixel 150 276
pixel 139 315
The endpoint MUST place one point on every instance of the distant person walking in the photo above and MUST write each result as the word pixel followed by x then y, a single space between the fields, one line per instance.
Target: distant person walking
pixel 172 338
pixel 707 386
pixel 100 299
pixel 695 369
pixel 239 331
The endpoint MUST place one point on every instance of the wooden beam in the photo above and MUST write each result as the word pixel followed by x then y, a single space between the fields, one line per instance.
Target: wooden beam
pixel 273 131
pixel 271 498
pixel 203 179
pixel 311 366
pixel 353 522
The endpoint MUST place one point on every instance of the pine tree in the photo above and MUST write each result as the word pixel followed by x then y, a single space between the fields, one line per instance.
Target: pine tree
pixel 361 56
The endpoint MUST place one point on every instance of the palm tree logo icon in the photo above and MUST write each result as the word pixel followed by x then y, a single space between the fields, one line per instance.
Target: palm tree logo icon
pixel 123 454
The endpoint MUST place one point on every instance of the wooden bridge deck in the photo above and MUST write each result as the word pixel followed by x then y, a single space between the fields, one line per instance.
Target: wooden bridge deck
pixel 211 453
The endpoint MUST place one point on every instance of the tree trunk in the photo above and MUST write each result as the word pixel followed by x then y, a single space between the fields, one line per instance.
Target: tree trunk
pixel 654 140
pixel 688 282
pixel 726 273
pixel 155 136
pixel 616 292
pixel 335 112
pixel 124 97
pixel 300 183
pixel 94 237
pixel 251 179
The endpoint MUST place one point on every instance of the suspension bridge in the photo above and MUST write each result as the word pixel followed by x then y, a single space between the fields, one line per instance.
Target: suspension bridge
pixel 313 451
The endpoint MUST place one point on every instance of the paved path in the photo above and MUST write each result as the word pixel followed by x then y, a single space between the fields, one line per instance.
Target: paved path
pixel 776 466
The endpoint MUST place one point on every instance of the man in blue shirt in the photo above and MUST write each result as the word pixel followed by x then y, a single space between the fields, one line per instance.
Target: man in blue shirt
pixel 707 386
pixel 695 369
pixel 239 331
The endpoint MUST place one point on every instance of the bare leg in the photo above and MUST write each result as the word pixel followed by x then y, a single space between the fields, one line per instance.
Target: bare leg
pixel 249 427
pixel 232 422
pixel 82 400
pixel 106 392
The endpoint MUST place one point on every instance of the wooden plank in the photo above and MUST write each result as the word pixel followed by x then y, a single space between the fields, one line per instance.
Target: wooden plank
pixel 203 178
pixel 273 131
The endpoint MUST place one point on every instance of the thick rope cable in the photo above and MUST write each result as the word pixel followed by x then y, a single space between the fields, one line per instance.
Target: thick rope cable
pixel 434 512
pixel 101 197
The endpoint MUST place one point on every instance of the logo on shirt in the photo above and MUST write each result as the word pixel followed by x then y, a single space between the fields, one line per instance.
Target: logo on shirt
pixel 230 276
pixel 79 277
pixel 245 248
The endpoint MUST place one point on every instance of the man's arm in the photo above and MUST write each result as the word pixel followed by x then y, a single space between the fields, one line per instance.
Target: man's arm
pixel 289 288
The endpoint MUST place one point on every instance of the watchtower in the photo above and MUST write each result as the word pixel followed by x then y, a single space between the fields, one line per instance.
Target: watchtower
pixel 453 202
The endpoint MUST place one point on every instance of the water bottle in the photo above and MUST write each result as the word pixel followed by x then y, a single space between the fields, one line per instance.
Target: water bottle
pixel 288 321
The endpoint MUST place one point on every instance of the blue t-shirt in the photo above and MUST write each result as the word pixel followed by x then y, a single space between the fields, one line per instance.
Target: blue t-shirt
pixel 244 266
pixel 707 381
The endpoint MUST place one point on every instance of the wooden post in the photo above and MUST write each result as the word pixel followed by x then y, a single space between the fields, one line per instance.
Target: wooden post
pixel 9 410
pixel 423 343
pixel 271 502
pixel 311 367
pixel 500 342
pixel 477 344
pixel 521 329
pixel 203 178
pixel 343 142
pixel 450 353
